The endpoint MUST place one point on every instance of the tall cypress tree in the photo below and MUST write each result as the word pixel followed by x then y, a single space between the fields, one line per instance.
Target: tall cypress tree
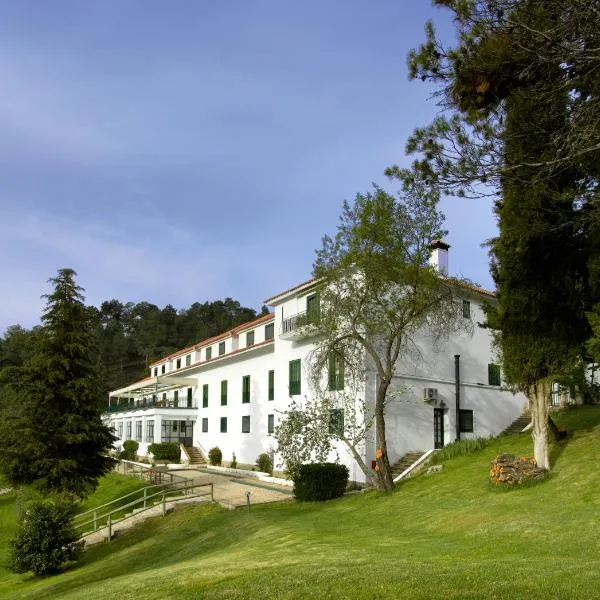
pixel 56 439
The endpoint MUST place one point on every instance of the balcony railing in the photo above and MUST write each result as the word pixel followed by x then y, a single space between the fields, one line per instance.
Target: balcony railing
pixel 299 320
pixel 148 404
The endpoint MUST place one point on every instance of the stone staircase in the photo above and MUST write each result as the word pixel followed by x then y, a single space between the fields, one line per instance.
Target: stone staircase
pixel 406 461
pixel 195 456
pixel 518 424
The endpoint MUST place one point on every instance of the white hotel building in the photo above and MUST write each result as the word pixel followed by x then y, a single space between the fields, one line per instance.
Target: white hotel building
pixel 229 391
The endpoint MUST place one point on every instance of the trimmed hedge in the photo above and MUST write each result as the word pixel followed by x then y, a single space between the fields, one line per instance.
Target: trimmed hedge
pixel 320 481
pixel 130 448
pixel 264 463
pixel 215 456
pixel 165 451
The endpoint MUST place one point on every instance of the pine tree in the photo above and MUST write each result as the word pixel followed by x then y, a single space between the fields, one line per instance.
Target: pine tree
pixel 55 438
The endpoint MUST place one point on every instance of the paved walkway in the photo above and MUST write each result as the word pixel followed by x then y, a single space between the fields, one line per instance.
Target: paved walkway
pixel 229 491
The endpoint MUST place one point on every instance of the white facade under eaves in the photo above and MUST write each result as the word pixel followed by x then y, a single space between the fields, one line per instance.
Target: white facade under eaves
pixel 230 391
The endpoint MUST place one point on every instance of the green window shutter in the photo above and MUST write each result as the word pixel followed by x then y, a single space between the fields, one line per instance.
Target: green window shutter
pixel 335 371
pixel 223 424
pixel 336 421
pixel 271 385
pixel 205 395
pixel 176 398
pixel 224 392
pixel 493 374
pixel 246 389
pixel 294 378
pixel 270 423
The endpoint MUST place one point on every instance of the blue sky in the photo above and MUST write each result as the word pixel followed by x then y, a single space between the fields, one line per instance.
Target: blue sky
pixel 187 151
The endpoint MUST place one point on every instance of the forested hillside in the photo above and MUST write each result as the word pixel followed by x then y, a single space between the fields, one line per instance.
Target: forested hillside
pixel 132 335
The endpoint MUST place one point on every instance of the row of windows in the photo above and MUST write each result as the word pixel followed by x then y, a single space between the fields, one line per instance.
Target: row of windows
pixel 245 424
pixel 245 390
pixel 269 335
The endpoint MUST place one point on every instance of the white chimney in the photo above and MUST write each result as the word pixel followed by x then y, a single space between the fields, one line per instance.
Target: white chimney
pixel 439 256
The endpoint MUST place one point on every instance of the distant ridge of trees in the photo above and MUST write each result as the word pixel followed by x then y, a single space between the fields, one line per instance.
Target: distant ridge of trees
pixel 131 335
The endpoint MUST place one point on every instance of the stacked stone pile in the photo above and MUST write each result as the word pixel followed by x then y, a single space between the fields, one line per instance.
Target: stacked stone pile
pixel 514 470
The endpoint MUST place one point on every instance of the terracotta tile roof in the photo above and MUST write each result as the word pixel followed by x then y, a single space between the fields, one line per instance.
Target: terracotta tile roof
pixel 296 287
pixel 216 338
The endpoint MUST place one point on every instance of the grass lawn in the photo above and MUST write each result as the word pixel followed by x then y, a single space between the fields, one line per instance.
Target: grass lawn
pixel 447 535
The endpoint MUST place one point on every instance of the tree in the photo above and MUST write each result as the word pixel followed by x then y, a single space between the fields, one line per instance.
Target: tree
pixel 377 292
pixel 521 91
pixel 56 440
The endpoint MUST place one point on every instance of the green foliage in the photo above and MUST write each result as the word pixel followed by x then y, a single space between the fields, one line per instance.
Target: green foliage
pixel 233 463
pixel 52 434
pixel 166 451
pixel 460 448
pixel 215 456
pixel 320 481
pixel 130 448
pixel 264 463
pixel 45 540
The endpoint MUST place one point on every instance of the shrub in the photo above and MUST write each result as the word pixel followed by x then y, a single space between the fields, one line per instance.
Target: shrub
pixel 215 456
pixel 264 463
pixel 233 464
pixel 168 451
pixel 320 481
pixel 45 540
pixel 130 448
pixel 461 448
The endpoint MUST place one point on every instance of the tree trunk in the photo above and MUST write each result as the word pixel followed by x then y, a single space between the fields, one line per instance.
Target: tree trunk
pixel 384 474
pixel 538 405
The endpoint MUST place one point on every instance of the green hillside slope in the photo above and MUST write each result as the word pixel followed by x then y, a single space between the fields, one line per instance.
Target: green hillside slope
pixel 446 535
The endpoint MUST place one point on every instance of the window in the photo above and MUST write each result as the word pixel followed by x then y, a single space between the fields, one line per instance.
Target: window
pixel 294 380
pixel 189 398
pixel 466 420
pixel 163 368
pixel 270 423
pixel 246 424
pixel 223 424
pixel 269 331
pixel 312 309
pixel 120 431
pixel 250 338
pixel 221 348
pixel 128 436
pixel 205 395
pixel 155 371
pixel 164 399
pixel 493 374
pixel 176 398
pixel 150 431
pixel 188 360
pixel 245 389
pixel 271 385
pixel 138 431
pixel 466 309
pixel 209 353
pixel 335 371
pixel 178 363
pixel 336 421
pixel 204 425
pixel 224 392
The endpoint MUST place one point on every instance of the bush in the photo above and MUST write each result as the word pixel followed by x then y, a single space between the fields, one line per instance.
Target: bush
pixel 264 463
pixel 169 451
pixel 130 448
pixel 45 540
pixel 320 481
pixel 461 448
pixel 233 464
pixel 215 456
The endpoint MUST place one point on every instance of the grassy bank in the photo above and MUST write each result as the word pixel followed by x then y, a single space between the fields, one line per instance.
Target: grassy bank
pixel 447 535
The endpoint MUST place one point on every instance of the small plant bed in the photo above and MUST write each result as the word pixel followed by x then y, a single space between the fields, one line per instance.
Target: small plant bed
pixel 461 448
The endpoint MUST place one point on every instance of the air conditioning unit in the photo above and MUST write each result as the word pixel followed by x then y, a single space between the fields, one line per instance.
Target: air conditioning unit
pixel 430 395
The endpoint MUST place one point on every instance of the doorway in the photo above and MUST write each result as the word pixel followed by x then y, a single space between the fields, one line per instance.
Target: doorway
pixel 438 428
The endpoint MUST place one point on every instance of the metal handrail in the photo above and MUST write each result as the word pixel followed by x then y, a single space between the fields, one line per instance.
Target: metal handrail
pixel 163 493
